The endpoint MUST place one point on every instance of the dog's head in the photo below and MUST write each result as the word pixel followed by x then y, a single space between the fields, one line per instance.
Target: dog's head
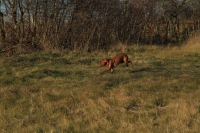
pixel 104 62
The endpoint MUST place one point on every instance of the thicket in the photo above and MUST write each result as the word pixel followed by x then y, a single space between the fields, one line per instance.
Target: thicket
pixel 88 25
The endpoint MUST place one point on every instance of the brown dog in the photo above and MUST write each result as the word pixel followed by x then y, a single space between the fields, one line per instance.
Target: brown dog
pixel 114 62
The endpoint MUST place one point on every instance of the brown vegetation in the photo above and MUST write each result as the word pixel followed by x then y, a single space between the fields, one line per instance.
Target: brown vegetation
pixel 63 91
pixel 94 25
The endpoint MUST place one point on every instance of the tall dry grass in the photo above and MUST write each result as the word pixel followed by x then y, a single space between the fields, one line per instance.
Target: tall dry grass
pixel 63 92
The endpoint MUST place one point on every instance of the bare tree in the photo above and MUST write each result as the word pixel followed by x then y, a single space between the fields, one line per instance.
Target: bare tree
pixel 97 24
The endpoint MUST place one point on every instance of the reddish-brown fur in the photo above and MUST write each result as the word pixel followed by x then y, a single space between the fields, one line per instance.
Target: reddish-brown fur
pixel 114 62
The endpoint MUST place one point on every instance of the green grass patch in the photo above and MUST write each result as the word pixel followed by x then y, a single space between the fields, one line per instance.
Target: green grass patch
pixel 64 92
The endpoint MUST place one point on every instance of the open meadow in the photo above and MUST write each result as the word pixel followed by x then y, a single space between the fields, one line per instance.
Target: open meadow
pixel 61 92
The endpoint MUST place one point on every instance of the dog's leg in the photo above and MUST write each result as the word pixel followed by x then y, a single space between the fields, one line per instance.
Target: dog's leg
pixel 110 67
pixel 112 70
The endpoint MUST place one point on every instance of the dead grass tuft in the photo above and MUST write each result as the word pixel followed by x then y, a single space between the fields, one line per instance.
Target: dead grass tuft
pixel 63 92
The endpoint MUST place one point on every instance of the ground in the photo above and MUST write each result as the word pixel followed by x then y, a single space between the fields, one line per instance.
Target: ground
pixel 64 92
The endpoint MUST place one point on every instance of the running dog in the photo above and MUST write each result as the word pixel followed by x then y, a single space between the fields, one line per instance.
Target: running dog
pixel 114 62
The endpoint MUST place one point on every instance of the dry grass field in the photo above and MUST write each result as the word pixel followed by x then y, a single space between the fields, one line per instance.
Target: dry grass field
pixel 52 92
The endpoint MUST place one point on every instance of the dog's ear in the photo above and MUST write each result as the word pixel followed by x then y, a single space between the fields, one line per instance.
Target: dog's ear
pixel 107 60
pixel 103 62
pixel 104 59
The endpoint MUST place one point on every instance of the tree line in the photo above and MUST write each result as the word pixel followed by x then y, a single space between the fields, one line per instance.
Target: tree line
pixel 88 25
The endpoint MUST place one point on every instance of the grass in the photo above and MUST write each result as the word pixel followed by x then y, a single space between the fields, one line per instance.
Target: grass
pixel 64 92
